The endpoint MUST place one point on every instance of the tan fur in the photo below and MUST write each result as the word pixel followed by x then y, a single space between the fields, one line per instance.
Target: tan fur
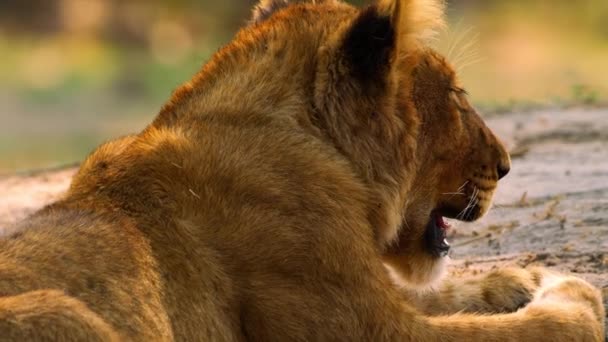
pixel 271 194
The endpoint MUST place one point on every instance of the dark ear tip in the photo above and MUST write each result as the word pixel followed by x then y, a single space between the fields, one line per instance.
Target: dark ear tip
pixel 369 42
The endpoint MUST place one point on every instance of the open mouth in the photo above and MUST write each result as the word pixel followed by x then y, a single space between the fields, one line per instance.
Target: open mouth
pixel 437 227
pixel 466 209
pixel 435 236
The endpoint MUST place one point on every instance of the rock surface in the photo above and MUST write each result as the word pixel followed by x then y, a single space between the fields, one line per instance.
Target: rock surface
pixel 551 210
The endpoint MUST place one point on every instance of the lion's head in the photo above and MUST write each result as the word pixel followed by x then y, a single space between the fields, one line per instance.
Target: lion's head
pixel 363 80
pixel 458 164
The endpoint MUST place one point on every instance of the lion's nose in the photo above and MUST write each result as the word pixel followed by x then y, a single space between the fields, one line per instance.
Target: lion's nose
pixel 502 170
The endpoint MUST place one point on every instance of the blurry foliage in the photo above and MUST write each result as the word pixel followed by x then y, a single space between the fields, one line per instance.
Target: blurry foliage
pixel 77 72
pixel 585 94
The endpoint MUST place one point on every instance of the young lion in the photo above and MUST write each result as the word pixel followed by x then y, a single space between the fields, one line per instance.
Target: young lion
pixel 276 194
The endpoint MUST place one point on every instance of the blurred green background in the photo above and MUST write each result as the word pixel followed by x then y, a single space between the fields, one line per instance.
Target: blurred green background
pixel 74 73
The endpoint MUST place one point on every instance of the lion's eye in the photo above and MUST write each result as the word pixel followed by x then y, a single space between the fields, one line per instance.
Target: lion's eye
pixel 458 90
pixel 458 97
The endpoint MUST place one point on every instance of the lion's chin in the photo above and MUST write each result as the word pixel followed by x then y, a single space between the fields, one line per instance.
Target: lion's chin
pixel 420 275
pixel 420 263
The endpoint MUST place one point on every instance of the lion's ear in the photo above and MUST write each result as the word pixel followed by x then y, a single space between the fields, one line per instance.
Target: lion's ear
pixel 265 8
pixel 369 44
pixel 386 29
pixel 414 20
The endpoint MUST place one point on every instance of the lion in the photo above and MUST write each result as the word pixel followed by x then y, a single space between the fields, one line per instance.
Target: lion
pixel 294 189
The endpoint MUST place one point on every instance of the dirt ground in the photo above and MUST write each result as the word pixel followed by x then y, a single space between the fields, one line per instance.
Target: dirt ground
pixel 551 210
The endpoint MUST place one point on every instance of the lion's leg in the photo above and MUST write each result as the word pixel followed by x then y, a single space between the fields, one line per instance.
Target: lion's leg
pixel 50 315
pixel 563 309
pixel 499 291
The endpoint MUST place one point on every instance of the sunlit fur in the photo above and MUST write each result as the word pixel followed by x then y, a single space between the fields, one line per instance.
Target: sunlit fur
pixel 268 197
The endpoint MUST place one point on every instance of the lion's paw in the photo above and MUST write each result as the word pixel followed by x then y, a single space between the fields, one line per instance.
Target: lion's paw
pixel 564 289
pixel 508 289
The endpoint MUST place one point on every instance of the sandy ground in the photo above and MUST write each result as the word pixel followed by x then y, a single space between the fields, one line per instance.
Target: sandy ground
pixel 551 210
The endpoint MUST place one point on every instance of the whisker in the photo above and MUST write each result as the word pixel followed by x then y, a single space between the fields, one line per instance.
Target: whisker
pixel 470 207
pixel 461 45
pixel 459 35
pixel 450 41
pixel 452 194
pixel 466 47
pixel 458 192
pixel 462 66
pixel 472 202
pixel 462 186
pixel 462 212
pixel 474 205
